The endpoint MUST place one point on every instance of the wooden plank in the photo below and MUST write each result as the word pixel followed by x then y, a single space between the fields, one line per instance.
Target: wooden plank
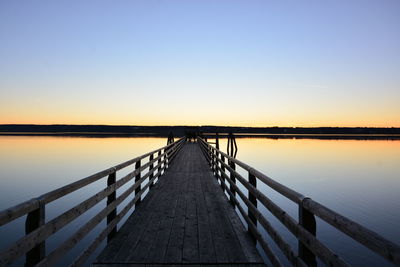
pixel 185 224
pixel 225 238
pixel 215 227
pixel 131 231
pixel 245 240
pixel 92 247
pixel 17 211
pixel 140 251
pixel 220 200
pixel 128 248
pixel 159 248
pixel 285 247
pixel 191 241
pixel 207 251
pixel 87 227
pixel 174 183
pixel 218 205
pixel 128 228
pixel 175 244
pixel 254 231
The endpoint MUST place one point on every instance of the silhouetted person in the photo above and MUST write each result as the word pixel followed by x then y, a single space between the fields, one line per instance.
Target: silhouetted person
pixel 170 138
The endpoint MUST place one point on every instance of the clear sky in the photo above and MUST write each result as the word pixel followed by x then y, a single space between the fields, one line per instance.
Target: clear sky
pixel 199 62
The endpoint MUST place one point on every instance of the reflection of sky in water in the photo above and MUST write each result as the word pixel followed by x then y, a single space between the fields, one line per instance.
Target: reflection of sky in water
pixel 356 178
pixel 32 166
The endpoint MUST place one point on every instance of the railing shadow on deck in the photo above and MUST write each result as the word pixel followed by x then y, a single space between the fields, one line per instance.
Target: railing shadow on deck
pixel 304 229
pixel 37 230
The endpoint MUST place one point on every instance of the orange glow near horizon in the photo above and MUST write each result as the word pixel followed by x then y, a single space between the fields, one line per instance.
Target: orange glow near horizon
pixel 187 110
pixel 214 122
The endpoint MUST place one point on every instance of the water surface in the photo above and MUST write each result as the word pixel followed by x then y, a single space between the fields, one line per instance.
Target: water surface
pixel 33 165
pixel 357 178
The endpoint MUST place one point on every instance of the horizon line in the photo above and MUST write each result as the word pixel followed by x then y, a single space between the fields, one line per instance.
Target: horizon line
pixel 133 125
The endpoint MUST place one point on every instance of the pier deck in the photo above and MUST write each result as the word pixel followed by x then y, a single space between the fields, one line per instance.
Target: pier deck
pixel 184 220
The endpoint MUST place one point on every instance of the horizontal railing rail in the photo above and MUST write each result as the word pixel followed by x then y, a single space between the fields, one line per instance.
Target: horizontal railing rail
pixel 310 247
pixel 32 245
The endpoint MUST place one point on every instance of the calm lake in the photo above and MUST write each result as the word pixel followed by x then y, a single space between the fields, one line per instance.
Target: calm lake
pixel 357 178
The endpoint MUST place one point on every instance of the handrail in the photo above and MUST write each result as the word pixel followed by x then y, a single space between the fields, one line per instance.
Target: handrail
pixel 37 231
pixel 301 233
pixel 21 209
pixel 282 189
pixel 304 229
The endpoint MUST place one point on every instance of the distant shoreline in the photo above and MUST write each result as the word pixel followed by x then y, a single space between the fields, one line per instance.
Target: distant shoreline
pixel 163 131
pixel 267 136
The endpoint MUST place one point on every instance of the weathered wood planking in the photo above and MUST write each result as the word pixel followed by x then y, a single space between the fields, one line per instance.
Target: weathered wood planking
pixel 185 219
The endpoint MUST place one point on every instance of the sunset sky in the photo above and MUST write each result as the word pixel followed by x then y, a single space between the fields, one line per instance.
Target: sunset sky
pixel 198 62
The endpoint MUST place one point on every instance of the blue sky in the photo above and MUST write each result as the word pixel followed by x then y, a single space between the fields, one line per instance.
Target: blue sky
pixel 257 63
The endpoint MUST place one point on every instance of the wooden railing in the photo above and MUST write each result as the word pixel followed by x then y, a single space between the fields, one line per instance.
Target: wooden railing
pixel 304 229
pixel 32 245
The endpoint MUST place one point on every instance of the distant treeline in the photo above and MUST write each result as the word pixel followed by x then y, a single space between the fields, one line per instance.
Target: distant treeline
pixel 111 130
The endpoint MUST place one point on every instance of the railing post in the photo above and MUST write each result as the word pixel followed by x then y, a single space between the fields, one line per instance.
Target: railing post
pixel 137 178
pixel 166 157
pixel 233 179
pixel 34 220
pixel 222 170
pixel 212 161
pixel 222 165
pixel 253 200
pixel 207 151
pixel 215 155
pixel 210 154
pixel 307 220
pixel 150 169
pixel 110 199
pixel 159 164
pixel 216 164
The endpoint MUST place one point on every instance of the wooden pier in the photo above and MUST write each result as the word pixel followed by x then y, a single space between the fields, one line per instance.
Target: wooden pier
pixel 183 217
pixel 186 218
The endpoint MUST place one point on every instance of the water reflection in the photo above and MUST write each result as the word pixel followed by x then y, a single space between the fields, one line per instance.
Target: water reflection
pixel 231 147
pixel 32 166
pixel 357 178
